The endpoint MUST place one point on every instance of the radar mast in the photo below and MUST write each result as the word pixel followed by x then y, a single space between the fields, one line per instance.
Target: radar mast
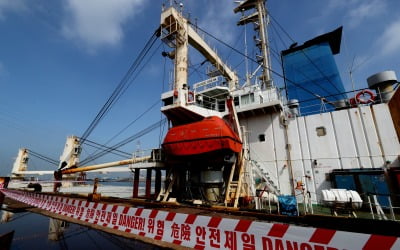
pixel 260 20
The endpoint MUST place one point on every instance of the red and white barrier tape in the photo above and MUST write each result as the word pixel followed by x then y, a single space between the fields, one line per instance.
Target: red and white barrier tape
pixel 204 232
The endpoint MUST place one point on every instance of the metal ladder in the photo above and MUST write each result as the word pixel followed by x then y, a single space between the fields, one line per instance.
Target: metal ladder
pixel 234 186
pixel 166 192
pixel 270 184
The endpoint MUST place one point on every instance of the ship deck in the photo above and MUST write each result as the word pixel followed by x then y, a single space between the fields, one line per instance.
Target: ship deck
pixel 341 223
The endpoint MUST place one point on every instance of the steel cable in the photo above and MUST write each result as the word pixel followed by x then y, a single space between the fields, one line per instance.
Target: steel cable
pixel 121 87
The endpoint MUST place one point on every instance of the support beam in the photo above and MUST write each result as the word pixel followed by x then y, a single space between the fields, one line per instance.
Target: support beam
pixel 136 183
pixel 158 182
pixel 106 165
pixel 148 183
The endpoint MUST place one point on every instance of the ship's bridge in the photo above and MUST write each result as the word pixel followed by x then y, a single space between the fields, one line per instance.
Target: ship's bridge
pixel 209 98
pixel 252 100
pixel 249 100
pixel 214 87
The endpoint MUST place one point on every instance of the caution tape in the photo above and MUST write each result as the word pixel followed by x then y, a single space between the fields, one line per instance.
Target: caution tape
pixel 204 232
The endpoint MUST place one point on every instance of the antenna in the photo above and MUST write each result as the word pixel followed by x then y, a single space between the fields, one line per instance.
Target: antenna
pixel 246 61
pixel 138 149
pixel 351 74
pixel 181 7
pixel 354 68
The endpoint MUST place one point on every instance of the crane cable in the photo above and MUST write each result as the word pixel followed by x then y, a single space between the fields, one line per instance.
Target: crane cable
pixel 107 148
pixel 126 141
pixel 141 115
pixel 305 54
pixel 265 67
pixel 104 147
pixel 43 157
pixel 122 86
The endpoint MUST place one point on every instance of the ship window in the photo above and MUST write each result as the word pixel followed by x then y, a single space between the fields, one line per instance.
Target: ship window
pixel 77 150
pixel 236 101
pixel 221 106
pixel 246 99
pixel 261 137
pixel 321 131
pixel 168 101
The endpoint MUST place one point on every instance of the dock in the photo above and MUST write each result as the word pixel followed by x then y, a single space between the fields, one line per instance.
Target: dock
pixel 177 226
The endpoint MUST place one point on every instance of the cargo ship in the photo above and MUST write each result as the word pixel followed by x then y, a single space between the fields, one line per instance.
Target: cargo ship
pixel 243 166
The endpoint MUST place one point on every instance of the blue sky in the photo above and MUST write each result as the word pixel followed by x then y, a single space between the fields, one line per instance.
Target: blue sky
pixel 61 60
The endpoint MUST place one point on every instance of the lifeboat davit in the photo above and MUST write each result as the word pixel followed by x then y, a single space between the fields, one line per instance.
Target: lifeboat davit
pixel 208 135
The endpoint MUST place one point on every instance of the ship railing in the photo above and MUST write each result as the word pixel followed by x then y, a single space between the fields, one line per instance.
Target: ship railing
pixel 267 203
pixel 212 103
pixel 178 5
pixel 328 103
pixel 380 211
pixel 271 186
pixel 216 81
pixel 141 153
pixel 385 96
pixel 270 95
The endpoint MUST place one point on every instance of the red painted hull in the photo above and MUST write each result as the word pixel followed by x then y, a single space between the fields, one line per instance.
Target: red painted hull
pixel 209 135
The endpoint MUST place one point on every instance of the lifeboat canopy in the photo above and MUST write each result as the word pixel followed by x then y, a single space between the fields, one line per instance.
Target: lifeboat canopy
pixel 208 135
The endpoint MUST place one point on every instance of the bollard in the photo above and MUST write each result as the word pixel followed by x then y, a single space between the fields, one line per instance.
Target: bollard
pixel 95 197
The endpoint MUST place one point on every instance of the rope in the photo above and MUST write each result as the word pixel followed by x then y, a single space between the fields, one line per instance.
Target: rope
pixel 141 115
pixel 104 147
pixel 107 149
pixel 302 51
pixel 43 157
pixel 124 142
pixel 265 67
pixel 122 86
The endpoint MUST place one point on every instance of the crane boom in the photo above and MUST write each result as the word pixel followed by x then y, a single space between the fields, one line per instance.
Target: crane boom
pixel 105 165
pixel 200 45
pixel 177 33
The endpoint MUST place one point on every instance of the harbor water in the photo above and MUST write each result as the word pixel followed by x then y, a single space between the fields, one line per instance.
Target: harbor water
pixel 32 231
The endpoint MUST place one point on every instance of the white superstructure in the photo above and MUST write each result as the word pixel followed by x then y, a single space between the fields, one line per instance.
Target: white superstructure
pixel 284 149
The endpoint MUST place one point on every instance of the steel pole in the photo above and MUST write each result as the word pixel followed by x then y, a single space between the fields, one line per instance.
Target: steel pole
pixel 105 165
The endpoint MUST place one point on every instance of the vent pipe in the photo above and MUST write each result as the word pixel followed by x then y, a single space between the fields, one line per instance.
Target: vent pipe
pixel 383 83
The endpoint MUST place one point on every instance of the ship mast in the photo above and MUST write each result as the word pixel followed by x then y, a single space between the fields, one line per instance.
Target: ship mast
pixel 181 102
pixel 260 20
pixel 178 34
pixel 21 162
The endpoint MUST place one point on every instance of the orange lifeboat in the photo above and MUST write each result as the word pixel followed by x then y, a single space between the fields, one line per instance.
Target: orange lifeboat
pixel 209 135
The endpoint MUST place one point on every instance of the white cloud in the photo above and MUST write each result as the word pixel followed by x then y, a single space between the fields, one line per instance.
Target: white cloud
pixel 390 39
pixel 11 5
pixel 365 10
pixel 219 20
pixel 352 12
pixel 97 23
pixel 333 4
